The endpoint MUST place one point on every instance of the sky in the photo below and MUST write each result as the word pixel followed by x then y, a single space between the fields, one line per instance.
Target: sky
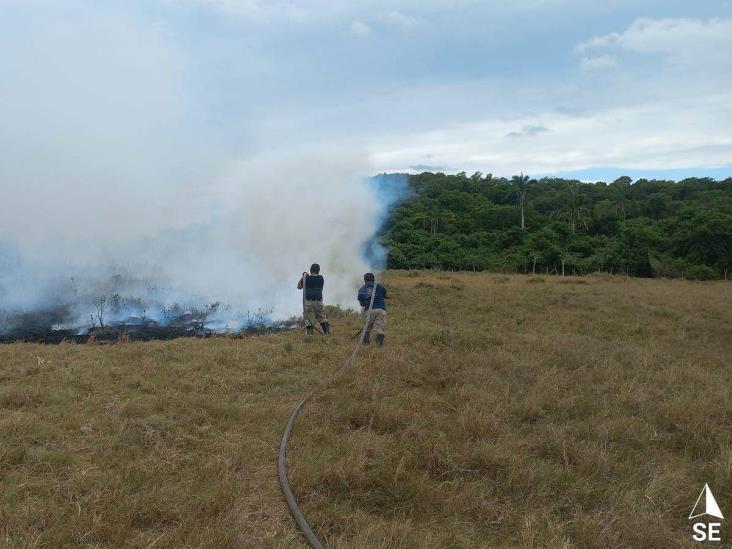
pixel 567 87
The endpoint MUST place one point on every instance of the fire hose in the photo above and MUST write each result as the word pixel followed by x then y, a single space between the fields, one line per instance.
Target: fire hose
pixel 295 510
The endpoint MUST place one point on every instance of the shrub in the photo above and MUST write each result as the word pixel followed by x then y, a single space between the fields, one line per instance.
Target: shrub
pixel 701 272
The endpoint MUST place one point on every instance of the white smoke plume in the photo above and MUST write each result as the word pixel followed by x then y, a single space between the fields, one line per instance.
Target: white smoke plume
pixel 112 187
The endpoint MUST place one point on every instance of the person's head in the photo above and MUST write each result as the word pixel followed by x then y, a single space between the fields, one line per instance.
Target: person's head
pixel 314 269
pixel 368 277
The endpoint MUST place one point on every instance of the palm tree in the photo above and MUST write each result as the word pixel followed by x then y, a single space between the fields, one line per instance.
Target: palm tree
pixel 620 189
pixel 520 181
pixel 434 218
pixel 574 211
pixel 428 217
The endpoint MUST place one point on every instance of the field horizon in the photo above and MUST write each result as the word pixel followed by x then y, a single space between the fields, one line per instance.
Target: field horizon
pixel 503 411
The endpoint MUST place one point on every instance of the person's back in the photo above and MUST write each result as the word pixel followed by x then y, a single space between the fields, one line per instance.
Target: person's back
pixel 313 308
pixel 314 287
pixel 364 296
pixel 377 318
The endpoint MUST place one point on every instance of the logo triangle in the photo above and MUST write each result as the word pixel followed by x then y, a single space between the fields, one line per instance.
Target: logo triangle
pixel 710 505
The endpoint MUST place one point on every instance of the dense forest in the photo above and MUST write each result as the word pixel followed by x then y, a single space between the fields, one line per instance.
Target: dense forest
pixel 647 228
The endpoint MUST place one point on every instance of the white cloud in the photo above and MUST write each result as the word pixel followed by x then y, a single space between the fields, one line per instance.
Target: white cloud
pixel 251 9
pixel 360 29
pixel 697 43
pixel 403 20
pixel 603 41
pixel 671 133
pixel 590 63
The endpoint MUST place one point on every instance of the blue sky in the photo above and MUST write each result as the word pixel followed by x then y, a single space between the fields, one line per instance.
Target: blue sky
pixel 538 86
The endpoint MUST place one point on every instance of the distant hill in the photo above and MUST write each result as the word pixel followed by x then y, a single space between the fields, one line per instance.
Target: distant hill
pixel 550 225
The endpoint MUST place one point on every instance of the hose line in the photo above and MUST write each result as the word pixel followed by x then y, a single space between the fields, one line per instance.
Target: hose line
pixel 295 510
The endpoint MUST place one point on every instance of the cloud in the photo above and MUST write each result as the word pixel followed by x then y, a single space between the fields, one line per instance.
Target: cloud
pixel 250 9
pixel 597 62
pixel 398 97
pixel 360 29
pixel 402 20
pixel 528 131
pixel 427 168
pixel 695 43
pixel 603 41
pixel 670 133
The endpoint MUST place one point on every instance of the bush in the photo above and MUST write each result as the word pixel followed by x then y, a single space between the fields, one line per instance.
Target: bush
pixel 667 267
pixel 701 272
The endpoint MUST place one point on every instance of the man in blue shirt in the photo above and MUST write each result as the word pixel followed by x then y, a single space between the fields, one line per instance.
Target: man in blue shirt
pixel 377 322
pixel 313 308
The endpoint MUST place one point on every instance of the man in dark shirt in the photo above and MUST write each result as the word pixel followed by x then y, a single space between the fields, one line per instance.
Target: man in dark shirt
pixel 313 307
pixel 377 322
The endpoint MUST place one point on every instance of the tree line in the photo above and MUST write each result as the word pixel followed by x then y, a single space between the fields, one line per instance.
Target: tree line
pixel 650 228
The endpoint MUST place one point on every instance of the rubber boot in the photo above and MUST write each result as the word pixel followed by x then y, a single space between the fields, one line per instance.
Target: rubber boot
pixel 367 338
pixel 326 327
pixel 309 330
pixel 380 339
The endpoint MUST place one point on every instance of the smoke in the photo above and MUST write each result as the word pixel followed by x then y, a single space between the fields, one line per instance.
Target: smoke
pixel 119 198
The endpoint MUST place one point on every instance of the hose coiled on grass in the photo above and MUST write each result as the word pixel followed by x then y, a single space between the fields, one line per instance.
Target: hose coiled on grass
pixel 295 510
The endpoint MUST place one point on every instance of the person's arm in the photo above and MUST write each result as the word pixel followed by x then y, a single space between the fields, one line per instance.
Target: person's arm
pixel 386 294
pixel 302 279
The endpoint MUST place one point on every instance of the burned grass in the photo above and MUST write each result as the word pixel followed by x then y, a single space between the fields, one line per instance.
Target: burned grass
pixel 502 412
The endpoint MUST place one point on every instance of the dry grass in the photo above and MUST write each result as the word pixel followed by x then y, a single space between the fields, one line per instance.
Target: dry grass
pixel 504 411
pixel 523 412
pixel 168 444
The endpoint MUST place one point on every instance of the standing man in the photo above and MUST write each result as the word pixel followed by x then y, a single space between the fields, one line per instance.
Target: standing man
pixel 377 322
pixel 313 307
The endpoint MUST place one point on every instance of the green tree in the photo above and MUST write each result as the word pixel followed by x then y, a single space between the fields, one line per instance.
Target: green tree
pixel 649 228
pixel 620 189
pixel 638 239
pixel 574 210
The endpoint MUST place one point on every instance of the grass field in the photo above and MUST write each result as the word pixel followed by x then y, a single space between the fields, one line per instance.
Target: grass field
pixel 505 411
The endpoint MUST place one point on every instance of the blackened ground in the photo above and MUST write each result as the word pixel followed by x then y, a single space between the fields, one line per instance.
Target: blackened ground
pixel 39 327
